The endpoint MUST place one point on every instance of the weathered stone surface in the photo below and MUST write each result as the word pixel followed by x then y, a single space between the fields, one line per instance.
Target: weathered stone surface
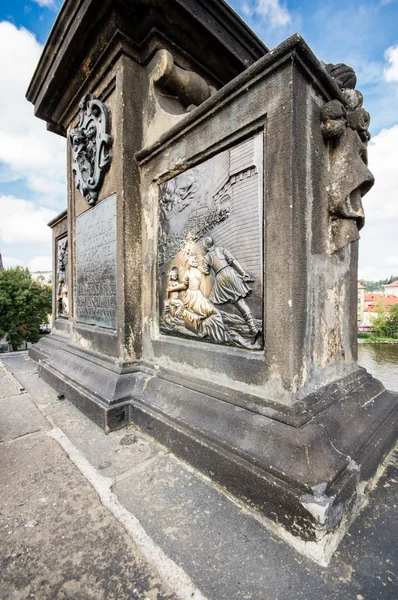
pixel 267 420
pixel 8 387
pixel 62 290
pixel 19 416
pixel 225 551
pixel 187 27
pixel 57 539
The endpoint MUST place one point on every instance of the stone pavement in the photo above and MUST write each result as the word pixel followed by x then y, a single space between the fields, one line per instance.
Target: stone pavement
pixel 89 516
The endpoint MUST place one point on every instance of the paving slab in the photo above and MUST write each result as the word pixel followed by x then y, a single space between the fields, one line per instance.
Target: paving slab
pixel 226 552
pixel 18 362
pixel 57 540
pixel 8 386
pixel 22 368
pixel 19 416
pixel 229 555
pixel 111 454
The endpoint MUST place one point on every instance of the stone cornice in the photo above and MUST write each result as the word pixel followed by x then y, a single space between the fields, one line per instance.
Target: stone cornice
pixel 294 47
pixel 84 29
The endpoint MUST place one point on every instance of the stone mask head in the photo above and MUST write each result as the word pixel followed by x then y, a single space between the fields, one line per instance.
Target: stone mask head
pixel 345 126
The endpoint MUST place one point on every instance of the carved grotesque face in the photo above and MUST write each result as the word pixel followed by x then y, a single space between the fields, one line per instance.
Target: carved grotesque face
pixel 346 126
pixel 78 139
pixel 351 180
pixel 91 131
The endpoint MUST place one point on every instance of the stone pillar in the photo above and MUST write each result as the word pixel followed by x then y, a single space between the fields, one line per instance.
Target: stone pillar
pixel 213 244
pixel 99 65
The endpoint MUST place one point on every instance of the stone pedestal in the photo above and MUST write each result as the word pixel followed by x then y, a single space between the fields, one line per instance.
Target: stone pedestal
pixel 212 260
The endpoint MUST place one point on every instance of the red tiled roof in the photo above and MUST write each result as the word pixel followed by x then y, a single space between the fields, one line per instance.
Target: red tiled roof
pixel 360 286
pixel 393 284
pixel 372 297
pixel 386 303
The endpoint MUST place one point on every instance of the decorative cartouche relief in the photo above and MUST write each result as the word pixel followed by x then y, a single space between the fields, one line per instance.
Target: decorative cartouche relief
pixel 62 278
pixel 90 142
pixel 345 127
pixel 210 249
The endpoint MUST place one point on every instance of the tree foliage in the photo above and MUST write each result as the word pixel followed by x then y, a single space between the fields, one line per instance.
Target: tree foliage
pixel 24 305
pixel 386 324
pixel 372 286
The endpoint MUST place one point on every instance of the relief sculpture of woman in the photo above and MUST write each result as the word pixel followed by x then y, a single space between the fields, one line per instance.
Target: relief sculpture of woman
pixel 199 314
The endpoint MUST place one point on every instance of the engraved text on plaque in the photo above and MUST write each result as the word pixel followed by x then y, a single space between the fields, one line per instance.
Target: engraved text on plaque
pixel 96 265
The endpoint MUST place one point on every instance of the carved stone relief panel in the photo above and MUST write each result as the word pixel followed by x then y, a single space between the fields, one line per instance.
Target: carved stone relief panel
pixel 210 249
pixel 62 278
pixel 96 265
pixel 90 142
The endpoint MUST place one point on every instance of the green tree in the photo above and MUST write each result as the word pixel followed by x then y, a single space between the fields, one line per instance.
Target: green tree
pixel 379 323
pixel 392 322
pixel 24 305
pixel 372 286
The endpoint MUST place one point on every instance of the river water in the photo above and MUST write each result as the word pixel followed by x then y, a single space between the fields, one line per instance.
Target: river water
pixel 381 360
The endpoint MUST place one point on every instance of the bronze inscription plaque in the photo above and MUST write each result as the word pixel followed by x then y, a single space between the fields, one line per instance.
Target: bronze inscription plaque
pixel 96 265
pixel 210 251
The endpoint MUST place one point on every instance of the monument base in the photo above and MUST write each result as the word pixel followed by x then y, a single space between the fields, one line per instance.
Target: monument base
pixel 306 477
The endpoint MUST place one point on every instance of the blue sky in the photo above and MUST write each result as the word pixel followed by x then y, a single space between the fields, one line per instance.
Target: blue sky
pixel 32 161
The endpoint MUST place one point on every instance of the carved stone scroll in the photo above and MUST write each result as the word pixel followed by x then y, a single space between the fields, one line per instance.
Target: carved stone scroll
pixel 62 278
pixel 90 142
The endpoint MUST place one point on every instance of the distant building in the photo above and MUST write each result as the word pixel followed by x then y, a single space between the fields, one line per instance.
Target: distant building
pixel 374 303
pixel 371 298
pixel 361 299
pixel 392 288
pixel 42 277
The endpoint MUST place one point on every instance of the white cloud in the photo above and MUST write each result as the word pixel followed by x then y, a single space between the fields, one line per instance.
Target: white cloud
pixel 45 3
pixel 246 10
pixel 392 260
pixel 391 71
pixel 36 263
pixel 381 203
pixel 28 152
pixel 10 262
pixel 40 263
pixel 276 12
pixel 369 273
pixel 379 238
pixel 23 222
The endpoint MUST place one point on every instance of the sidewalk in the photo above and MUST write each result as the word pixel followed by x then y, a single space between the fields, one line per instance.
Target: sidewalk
pixel 89 516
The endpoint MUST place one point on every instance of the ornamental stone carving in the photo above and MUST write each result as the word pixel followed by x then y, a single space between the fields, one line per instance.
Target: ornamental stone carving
pixel 62 278
pixel 90 142
pixel 210 250
pixel 345 126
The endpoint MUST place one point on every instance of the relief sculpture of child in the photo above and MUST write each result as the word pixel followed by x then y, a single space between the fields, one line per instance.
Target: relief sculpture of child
pixel 173 304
